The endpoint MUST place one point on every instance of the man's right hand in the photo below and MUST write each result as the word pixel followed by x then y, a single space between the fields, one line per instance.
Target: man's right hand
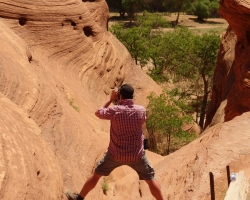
pixel 113 95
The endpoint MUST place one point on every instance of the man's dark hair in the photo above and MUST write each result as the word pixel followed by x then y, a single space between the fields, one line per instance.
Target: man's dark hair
pixel 127 91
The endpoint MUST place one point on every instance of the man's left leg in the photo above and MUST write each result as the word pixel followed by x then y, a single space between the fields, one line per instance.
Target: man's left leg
pixel 90 184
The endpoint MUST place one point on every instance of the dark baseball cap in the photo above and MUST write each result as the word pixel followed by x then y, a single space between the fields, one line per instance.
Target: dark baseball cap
pixel 127 91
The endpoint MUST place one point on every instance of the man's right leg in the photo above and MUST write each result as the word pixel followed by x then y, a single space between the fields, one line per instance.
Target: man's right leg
pixel 103 168
pixel 90 184
pixel 87 187
pixel 155 189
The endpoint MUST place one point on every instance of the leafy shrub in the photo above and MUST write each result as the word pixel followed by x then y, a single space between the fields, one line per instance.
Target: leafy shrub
pixel 201 10
pixel 152 20
pixel 165 122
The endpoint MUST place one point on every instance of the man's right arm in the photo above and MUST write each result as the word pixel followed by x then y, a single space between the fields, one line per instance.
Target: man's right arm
pixel 106 105
pixel 113 96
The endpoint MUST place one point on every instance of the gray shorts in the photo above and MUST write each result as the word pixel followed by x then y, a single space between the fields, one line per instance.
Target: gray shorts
pixel 143 168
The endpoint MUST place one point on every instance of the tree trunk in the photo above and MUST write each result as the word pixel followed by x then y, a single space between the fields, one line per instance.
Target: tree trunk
pixel 197 107
pixel 204 103
pixel 152 140
pixel 178 14
pixel 121 9
pixel 177 19
pixel 168 143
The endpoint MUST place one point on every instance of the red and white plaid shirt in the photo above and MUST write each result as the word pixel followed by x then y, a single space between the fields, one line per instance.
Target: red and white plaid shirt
pixel 126 136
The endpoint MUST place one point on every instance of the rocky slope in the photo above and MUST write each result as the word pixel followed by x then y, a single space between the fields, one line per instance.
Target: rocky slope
pixel 58 63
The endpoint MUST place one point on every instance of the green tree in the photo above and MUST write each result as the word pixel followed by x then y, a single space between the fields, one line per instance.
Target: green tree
pixel 201 10
pixel 191 61
pixel 152 20
pixel 134 39
pixel 138 37
pixel 116 4
pixel 133 6
pixel 165 122
pixel 176 6
pixel 205 50
pixel 204 9
pixel 157 54
pixel 214 8
pixel 165 51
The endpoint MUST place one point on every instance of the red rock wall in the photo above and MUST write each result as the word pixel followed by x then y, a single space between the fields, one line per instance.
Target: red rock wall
pixel 231 80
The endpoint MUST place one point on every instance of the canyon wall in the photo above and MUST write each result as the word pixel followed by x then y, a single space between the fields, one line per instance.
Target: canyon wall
pixel 58 64
pixel 231 79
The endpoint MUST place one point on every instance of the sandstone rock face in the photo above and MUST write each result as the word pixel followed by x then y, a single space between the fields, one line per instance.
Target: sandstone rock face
pixel 58 63
pixel 231 80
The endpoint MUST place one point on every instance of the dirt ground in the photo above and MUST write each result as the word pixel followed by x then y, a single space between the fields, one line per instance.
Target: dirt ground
pixel 215 24
pixel 191 20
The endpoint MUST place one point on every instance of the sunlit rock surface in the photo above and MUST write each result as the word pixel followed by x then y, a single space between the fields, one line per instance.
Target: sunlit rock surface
pixel 58 63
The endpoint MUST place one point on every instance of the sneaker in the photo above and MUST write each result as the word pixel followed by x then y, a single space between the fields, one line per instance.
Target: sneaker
pixel 71 195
